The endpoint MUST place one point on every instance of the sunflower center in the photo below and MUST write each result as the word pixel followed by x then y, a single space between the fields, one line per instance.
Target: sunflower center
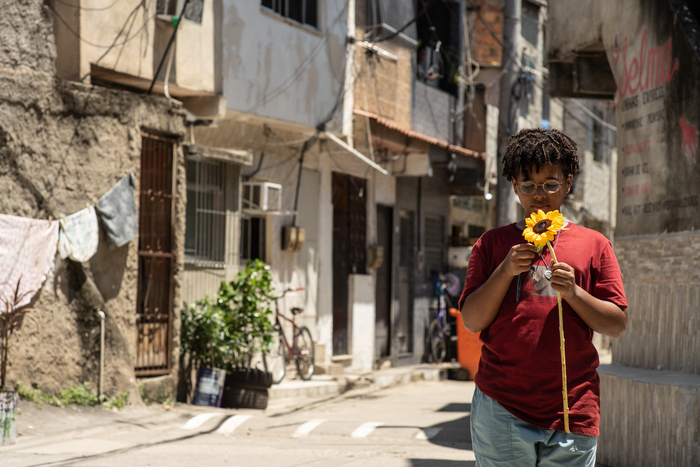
pixel 542 226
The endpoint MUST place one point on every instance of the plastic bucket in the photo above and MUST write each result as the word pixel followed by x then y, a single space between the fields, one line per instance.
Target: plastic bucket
pixel 468 346
pixel 8 417
pixel 210 386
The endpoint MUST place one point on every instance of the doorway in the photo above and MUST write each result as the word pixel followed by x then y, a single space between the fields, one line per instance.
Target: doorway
pixel 405 275
pixel 154 301
pixel 383 290
pixel 349 249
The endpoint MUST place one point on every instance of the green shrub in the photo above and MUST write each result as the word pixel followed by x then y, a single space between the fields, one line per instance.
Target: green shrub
pixel 228 330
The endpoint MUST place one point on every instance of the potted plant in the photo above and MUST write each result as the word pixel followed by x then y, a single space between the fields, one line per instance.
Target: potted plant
pixel 204 343
pixel 247 303
pixel 227 332
pixel 11 315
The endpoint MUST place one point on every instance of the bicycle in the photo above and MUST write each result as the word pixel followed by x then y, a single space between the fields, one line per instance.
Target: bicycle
pixel 439 329
pixel 301 350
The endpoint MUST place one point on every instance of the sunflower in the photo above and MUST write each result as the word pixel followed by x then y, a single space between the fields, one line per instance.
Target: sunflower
pixel 542 228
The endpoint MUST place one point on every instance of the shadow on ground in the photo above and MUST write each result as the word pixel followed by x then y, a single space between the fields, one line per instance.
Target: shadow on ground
pixel 456 433
pixel 440 463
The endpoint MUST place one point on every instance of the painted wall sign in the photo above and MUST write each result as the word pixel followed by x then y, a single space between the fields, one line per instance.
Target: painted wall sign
pixel 658 77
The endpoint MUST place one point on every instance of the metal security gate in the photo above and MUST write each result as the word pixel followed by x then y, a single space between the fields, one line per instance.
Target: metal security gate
pixel 349 249
pixel 155 289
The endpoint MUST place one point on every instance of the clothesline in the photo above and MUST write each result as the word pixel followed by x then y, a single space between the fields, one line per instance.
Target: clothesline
pixel 28 247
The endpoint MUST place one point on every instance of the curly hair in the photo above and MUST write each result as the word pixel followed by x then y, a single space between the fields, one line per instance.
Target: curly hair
pixel 533 148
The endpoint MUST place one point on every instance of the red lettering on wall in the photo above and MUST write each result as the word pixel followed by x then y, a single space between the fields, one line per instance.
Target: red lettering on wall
pixel 690 140
pixel 649 68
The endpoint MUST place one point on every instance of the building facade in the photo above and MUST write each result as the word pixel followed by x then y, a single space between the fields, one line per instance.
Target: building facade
pixel 77 118
pixel 643 58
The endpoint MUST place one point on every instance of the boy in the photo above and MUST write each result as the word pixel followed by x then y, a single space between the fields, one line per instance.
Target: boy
pixel 510 296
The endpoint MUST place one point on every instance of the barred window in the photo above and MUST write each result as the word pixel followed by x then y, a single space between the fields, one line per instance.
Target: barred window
pixel 205 234
pixel 301 11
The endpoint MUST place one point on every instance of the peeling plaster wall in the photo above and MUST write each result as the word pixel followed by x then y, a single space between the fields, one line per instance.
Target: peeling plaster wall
pixel 62 146
pixel 277 68
pixel 645 407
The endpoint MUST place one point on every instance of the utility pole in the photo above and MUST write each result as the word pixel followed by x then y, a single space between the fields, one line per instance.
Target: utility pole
pixel 349 82
pixel 509 107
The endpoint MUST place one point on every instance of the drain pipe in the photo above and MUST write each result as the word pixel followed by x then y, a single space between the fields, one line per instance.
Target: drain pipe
pixel 101 314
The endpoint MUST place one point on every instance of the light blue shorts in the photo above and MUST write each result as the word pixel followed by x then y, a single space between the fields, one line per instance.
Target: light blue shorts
pixel 501 439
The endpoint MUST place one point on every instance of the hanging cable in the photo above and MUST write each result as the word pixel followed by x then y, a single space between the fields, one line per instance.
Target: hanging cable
pixel 52 7
pixel 170 43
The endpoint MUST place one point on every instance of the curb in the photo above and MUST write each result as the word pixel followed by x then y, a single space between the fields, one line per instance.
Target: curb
pixel 321 386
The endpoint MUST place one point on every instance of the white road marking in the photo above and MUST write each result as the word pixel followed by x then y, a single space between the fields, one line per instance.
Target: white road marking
pixel 231 424
pixel 365 429
pixel 306 428
pixel 427 433
pixel 199 420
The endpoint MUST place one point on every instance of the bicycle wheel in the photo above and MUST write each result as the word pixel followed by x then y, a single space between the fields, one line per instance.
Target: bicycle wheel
pixel 276 359
pixel 438 349
pixel 304 353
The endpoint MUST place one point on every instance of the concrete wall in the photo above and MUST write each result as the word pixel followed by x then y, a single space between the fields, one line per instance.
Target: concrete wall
pixel 63 145
pixel 432 112
pixel 280 164
pixel 649 415
pixel 277 68
pixel 593 203
pixel 662 283
pixel 128 38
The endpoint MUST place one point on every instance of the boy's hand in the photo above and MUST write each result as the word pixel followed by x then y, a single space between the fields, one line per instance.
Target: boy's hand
pixel 563 279
pixel 519 259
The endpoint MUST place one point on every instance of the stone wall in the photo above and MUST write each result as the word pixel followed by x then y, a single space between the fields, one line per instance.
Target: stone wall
pixel 648 417
pixel 63 145
pixel 662 283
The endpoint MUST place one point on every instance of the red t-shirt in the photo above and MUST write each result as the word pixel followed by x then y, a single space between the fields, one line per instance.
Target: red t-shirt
pixel 520 364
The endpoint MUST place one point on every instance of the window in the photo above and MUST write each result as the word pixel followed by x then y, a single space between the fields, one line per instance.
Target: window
pixel 601 139
pixel 205 231
pixel 301 11
pixel 476 231
pixel 253 239
pixel 434 245
pixel 193 12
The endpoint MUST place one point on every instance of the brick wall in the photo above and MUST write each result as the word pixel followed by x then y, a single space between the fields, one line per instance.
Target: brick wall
pixel 383 84
pixel 487 51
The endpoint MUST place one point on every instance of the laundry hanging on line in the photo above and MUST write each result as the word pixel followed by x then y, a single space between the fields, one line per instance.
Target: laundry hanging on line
pixel 27 253
pixel 117 211
pixel 79 235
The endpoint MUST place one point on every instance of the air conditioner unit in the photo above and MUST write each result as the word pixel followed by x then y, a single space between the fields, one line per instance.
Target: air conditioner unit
pixel 262 196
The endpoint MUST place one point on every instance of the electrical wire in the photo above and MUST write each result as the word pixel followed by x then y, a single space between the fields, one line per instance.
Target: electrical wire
pixel 70 5
pixel 594 116
pixel 400 30
pixel 132 18
pixel 495 37
pixel 304 64
pixel 50 4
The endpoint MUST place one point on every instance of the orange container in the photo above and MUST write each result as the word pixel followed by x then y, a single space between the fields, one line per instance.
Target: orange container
pixel 468 346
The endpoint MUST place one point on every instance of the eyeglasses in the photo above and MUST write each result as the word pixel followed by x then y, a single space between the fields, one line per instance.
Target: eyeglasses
pixel 550 186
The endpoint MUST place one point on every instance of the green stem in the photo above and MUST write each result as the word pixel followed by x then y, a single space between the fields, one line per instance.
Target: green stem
pixel 563 353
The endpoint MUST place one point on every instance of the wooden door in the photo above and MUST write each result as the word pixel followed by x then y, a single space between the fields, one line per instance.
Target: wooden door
pixel 155 285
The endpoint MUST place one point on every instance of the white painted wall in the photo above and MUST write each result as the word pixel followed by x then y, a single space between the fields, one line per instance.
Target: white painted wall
pixel 262 52
pixel 130 25
pixel 362 320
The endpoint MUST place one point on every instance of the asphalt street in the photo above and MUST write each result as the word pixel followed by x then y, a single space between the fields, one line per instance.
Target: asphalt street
pixel 425 423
